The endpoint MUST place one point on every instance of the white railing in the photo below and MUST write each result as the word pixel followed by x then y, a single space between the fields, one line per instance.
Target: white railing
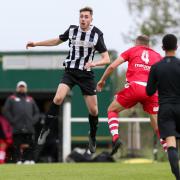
pixel 123 119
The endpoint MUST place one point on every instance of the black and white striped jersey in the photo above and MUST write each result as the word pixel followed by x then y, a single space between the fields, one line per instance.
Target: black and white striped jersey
pixel 82 45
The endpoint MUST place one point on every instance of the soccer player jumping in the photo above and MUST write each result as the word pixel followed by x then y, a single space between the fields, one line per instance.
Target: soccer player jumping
pixel 84 40
pixel 140 58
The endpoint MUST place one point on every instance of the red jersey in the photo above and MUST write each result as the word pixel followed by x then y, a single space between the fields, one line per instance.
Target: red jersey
pixel 140 59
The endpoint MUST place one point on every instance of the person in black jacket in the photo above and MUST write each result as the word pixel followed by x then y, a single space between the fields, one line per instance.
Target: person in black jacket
pixel 23 113
pixel 165 77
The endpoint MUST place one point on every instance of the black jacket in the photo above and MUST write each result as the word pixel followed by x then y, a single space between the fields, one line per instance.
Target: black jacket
pixel 22 112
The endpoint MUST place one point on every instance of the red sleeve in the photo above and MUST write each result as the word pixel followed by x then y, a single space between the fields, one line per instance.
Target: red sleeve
pixel 126 54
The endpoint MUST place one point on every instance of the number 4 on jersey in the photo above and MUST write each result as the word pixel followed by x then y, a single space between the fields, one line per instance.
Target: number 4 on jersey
pixel 145 56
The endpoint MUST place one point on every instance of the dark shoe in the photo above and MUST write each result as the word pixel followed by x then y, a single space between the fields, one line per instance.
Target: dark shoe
pixel 43 135
pixel 116 146
pixel 92 144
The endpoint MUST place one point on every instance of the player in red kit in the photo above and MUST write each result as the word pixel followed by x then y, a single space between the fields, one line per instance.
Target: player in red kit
pixel 140 58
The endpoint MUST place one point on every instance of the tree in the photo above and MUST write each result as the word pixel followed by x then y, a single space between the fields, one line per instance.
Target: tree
pixel 155 17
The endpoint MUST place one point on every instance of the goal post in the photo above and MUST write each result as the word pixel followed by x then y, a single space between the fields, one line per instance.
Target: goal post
pixel 66 149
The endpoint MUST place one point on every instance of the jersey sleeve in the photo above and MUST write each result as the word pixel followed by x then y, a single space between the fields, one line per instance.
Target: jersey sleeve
pixel 100 46
pixel 126 55
pixel 65 36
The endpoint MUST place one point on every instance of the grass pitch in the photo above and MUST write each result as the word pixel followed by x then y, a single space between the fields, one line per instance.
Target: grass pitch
pixel 87 171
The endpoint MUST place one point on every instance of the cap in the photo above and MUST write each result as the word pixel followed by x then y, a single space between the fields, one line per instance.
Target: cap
pixel 21 83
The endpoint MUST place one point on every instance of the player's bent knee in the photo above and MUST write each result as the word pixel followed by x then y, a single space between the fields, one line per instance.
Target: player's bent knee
pixel 93 112
pixel 112 114
pixel 58 100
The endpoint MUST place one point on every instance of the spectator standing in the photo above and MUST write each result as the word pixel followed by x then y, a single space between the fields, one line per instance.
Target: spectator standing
pixel 22 112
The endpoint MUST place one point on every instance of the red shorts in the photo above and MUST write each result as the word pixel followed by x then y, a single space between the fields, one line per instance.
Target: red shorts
pixel 134 93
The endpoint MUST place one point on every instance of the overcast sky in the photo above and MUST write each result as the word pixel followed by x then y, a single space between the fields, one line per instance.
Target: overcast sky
pixel 35 20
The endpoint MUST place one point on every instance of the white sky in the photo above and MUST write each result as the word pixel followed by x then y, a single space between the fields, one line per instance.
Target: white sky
pixel 36 20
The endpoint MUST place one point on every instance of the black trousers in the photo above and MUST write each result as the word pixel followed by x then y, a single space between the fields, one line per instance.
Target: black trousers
pixel 20 150
pixel 169 120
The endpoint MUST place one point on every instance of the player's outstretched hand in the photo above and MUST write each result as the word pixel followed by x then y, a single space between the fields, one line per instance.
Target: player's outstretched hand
pixel 30 44
pixel 100 86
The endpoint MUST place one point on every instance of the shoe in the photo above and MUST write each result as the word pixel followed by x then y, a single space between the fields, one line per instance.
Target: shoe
pixel 19 162
pixel 32 162
pixel 26 162
pixel 92 144
pixel 43 135
pixel 116 146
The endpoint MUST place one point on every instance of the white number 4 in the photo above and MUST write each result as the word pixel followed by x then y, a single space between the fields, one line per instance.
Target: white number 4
pixel 145 56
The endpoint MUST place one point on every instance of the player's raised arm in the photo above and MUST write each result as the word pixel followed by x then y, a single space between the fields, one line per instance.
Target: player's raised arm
pixel 108 72
pixel 50 42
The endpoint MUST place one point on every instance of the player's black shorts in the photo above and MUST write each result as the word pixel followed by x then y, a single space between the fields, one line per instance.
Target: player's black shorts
pixel 169 120
pixel 84 79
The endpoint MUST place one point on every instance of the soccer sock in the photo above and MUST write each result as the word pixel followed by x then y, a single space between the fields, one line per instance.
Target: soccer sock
pixel 173 160
pixel 93 122
pixel 162 141
pixel 113 125
pixel 51 114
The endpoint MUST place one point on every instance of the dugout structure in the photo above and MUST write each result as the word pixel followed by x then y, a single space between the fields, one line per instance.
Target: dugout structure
pixel 43 70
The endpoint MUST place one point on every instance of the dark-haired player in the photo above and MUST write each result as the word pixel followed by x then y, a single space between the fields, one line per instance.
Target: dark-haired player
pixel 165 77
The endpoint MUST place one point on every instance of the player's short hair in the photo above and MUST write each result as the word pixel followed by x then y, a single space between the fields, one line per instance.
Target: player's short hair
pixel 143 39
pixel 169 42
pixel 86 9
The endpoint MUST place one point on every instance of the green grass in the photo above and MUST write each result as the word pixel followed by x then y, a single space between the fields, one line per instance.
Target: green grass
pixel 84 171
